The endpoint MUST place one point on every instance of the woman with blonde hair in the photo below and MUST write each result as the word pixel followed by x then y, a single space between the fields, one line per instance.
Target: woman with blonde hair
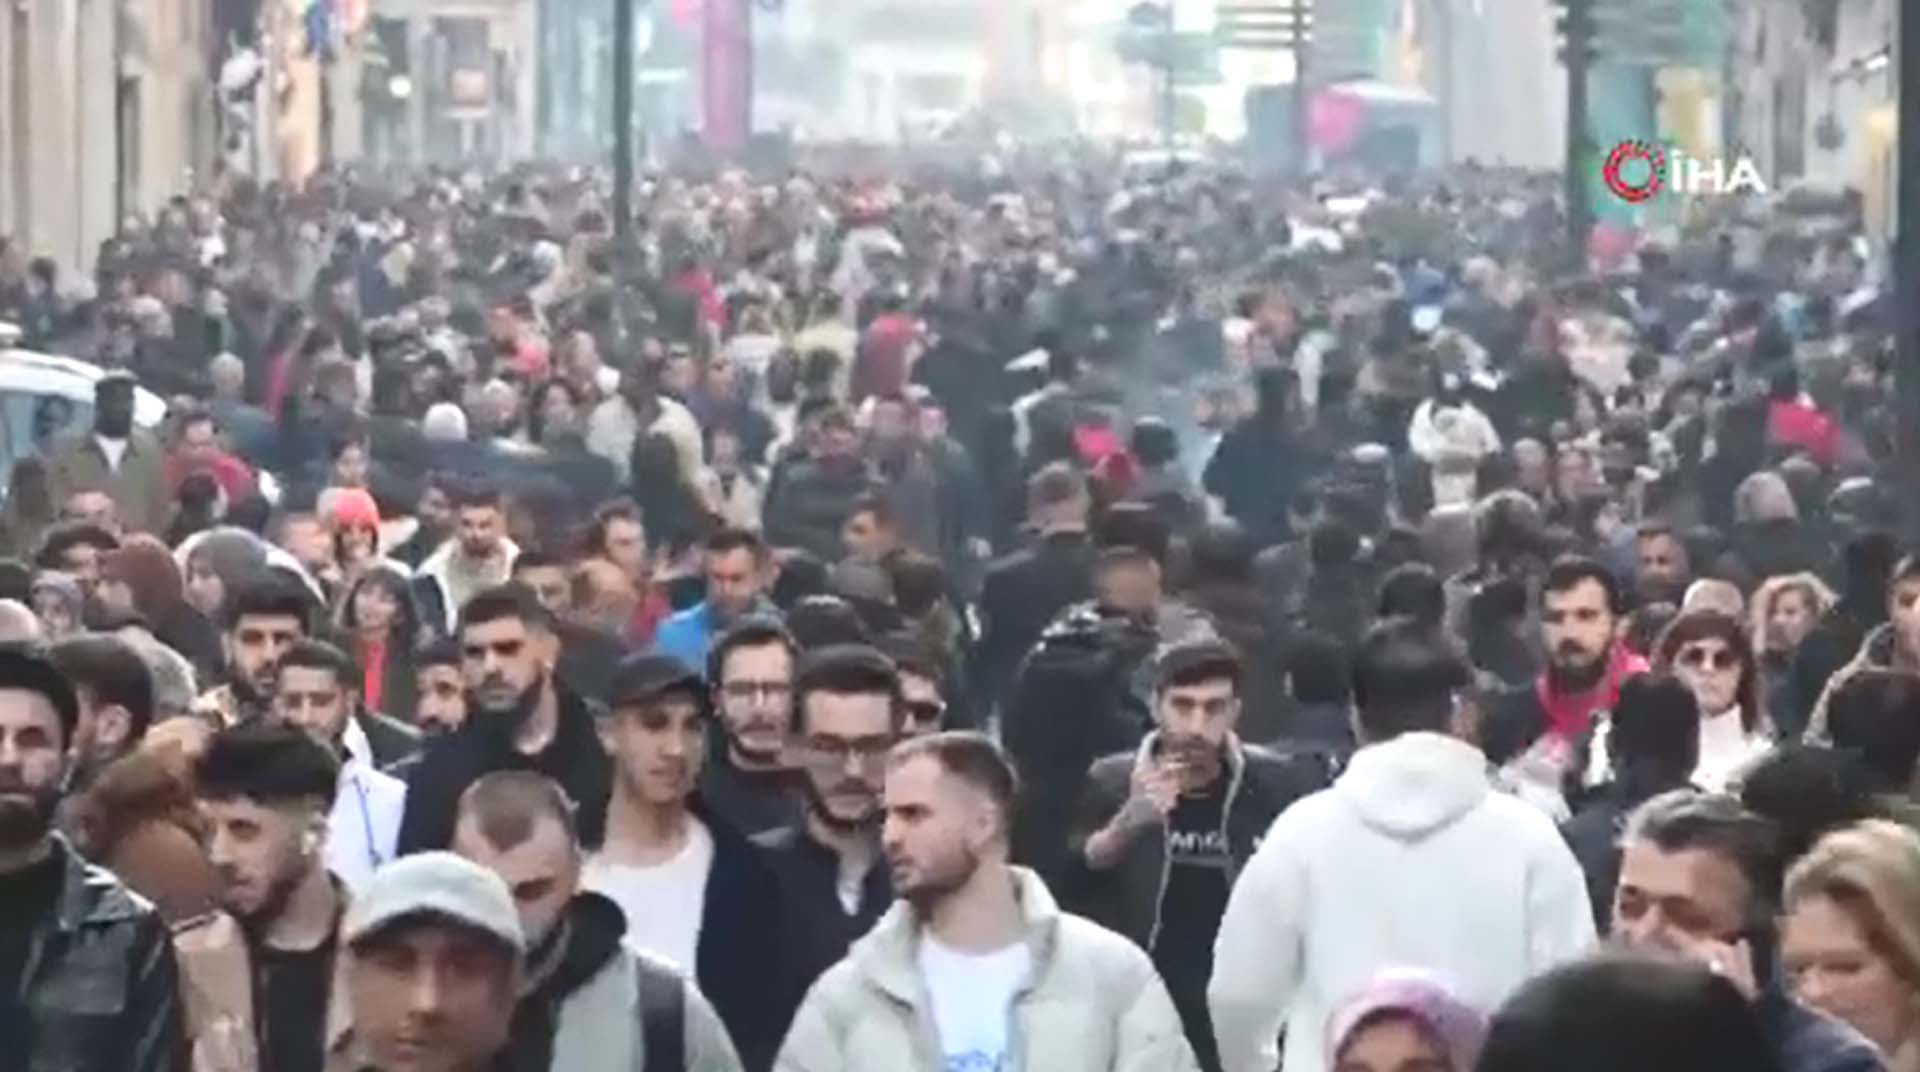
pixel 1783 611
pixel 1850 938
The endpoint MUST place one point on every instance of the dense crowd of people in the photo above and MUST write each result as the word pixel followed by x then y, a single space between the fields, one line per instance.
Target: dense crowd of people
pixel 1037 614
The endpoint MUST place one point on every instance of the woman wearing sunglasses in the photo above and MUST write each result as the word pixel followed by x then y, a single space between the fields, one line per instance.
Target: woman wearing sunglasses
pixel 1710 652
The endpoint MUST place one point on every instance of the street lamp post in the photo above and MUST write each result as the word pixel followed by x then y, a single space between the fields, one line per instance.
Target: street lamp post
pixel 623 121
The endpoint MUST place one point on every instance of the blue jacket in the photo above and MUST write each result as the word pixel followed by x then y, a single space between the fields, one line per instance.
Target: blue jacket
pixel 689 634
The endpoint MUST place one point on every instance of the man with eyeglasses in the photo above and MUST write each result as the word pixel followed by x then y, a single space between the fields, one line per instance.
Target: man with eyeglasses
pixel 749 779
pixel 849 714
pixel 1166 828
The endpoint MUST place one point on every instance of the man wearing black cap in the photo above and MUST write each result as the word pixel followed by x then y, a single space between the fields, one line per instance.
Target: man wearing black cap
pixel 116 458
pixel 693 888
pixel 1165 829
pixel 88 980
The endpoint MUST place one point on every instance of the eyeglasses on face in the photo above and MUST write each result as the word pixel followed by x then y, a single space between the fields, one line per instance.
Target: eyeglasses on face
pixel 1701 656
pixel 871 751
pixel 925 711
pixel 749 691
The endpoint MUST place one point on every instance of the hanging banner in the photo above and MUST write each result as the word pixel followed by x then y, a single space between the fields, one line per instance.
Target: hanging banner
pixel 726 75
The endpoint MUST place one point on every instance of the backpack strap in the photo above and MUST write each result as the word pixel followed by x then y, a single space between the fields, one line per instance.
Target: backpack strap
pixel 663 1017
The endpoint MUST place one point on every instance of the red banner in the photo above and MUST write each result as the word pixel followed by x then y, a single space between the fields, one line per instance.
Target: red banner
pixel 726 74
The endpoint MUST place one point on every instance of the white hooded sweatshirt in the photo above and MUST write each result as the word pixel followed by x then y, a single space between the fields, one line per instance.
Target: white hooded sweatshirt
pixel 1410 860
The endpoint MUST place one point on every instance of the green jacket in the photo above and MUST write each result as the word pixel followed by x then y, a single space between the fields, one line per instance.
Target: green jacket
pixel 139 486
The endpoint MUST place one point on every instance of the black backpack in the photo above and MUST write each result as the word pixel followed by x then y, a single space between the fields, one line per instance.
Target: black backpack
pixel 663 1017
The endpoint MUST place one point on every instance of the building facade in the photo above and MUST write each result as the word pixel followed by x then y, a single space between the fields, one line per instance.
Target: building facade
pixel 1818 97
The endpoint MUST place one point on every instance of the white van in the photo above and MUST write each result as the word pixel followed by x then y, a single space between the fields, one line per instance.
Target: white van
pixel 45 398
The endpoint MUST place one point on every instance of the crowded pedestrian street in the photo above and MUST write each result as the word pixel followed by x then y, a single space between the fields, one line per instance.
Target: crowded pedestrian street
pixel 1153 593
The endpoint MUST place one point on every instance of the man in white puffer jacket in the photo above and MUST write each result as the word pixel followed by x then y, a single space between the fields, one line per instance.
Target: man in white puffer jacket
pixel 1411 859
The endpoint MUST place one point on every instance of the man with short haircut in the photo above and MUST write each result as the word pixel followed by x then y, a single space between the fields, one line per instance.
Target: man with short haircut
pixel 976 946
pixel 1700 880
pixel 315 692
pixel 1412 857
pixel 521 717
pixel 546 577
pixel 1165 829
pixel 1892 645
pixel 433 969
pixel 693 889
pixel 617 538
pixel 265 790
pixel 589 1002
pixel 1663 568
pixel 872 536
pixel 442 704
pixel 75 548
pixel 1026 590
pixel 739 570
pixel 115 691
pixel 198 449
pixel 749 778
pixel 833 885
pixel 922 693
pixel 479 556
pixel 264 619
pixel 68 1007
pixel 95 508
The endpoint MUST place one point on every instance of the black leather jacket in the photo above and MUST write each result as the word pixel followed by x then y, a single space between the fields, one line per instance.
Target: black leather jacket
pixel 101 989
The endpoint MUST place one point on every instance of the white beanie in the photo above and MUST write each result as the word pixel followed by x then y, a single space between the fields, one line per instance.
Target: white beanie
pixel 444 423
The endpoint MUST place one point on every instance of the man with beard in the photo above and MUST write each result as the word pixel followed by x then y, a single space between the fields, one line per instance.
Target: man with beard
pixel 832 887
pixel 478 557
pixel 976 946
pixel 748 778
pixel 522 717
pixel 739 569
pixel 315 692
pixel 265 790
pixel 442 691
pixel 577 1005
pixel 1549 720
pixel 434 963
pixel 115 692
pixel 88 980
pixel 1165 829
pixel 693 889
pixel 263 620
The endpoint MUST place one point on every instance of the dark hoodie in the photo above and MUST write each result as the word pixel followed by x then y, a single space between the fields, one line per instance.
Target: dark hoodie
pixel 580 945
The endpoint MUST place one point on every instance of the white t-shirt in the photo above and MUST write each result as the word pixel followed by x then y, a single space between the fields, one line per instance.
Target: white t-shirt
pixel 973 1002
pixel 663 903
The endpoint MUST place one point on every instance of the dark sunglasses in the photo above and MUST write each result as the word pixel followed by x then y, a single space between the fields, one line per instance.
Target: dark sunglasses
pixel 926 711
pixel 1715 659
